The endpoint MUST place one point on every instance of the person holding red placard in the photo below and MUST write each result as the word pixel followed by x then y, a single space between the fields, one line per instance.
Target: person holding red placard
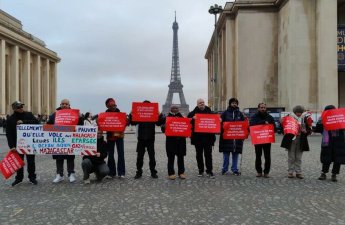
pixel 112 139
pixel 175 146
pixel 296 145
pixel 18 117
pixel 64 104
pixel 146 140
pixel 261 118
pixel 203 142
pixel 332 149
pixel 231 145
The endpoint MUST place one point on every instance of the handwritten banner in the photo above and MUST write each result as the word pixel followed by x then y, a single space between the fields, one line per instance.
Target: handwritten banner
pixel 144 112
pixel 112 121
pixel 333 119
pixel 56 140
pixel 67 117
pixel 207 123
pixel 178 127
pixel 262 134
pixel 235 130
pixel 290 125
pixel 10 164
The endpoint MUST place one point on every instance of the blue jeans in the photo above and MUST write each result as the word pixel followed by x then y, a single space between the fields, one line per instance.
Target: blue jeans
pixel 121 157
pixel 226 156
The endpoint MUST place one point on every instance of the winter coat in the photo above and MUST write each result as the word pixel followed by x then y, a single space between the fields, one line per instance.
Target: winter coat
pixel 231 145
pixel 146 130
pixel 207 139
pixel 333 149
pixel 175 145
pixel 11 126
pixel 101 148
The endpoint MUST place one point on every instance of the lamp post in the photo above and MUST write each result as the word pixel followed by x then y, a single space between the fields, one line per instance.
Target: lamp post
pixel 216 9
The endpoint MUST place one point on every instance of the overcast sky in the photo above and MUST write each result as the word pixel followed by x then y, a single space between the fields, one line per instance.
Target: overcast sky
pixel 120 48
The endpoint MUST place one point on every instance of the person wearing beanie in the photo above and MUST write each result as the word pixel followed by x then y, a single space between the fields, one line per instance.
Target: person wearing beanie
pixel 332 149
pixel 115 138
pixel 261 118
pixel 296 145
pixel 230 145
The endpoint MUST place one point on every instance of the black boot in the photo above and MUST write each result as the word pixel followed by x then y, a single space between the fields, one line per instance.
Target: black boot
pixel 334 178
pixel 322 176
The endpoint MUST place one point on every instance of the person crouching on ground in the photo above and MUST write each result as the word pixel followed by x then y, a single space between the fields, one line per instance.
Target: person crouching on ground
pixel 96 164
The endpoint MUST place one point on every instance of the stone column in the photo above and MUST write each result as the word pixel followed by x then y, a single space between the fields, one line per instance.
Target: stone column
pixel 53 84
pixel 36 106
pixel 14 75
pixel 2 78
pixel 27 80
pixel 46 87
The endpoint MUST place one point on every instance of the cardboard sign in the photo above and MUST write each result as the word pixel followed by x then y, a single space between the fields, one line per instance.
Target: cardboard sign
pixel 178 127
pixel 56 140
pixel 235 130
pixel 290 125
pixel 333 119
pixel 207 123
pixel 67 117
pixel 262 134
pixel 10 164
pixel 112 121
pixel 144 112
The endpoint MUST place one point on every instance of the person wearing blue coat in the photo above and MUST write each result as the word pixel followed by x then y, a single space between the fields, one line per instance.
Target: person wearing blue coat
pixel 231 145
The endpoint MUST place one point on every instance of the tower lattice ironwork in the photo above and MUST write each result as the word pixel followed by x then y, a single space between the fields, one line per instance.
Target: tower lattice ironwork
pixel 175 85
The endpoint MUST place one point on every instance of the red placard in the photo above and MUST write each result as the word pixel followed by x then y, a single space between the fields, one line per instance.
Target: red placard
pixel 144 112
pixel 112 121
pixel 178 127
pixel 235 130
pixel 67 117
pixel 262 134
pixel 333 119
pixel 290 125
pixel 207 123
pixel 10 164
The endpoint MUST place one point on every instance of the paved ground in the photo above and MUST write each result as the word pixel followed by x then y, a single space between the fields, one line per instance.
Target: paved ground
pixel 225 200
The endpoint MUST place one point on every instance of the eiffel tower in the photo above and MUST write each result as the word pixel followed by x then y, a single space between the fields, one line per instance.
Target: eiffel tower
pixel 175 85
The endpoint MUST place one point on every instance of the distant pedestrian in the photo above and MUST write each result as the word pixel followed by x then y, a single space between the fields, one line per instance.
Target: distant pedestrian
pixel 88 121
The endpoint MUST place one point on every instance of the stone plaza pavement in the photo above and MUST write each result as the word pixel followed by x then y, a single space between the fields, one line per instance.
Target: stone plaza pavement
pixel 227 199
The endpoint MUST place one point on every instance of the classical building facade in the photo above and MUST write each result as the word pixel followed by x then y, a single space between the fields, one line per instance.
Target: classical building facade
pixel 28 70
pixel 281 52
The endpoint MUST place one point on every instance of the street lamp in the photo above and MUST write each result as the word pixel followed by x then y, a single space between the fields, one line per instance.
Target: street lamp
pixel 215 10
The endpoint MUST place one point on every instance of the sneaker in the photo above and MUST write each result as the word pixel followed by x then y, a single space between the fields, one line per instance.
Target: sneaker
pixel 154 175
pixel 211 175
pixel 122 177
pixel 322 176
pixel 15 182
pixel 259 175
pixel 58 178
pixel 109 177
pixel 334 178
pixel 87 181
pixel 72 178
pixel 201 174
pixel 182 176
pixel 299 176
pixel 137 176
pixel 266 175
pixel 172 177
pixel 290 175
pixel 33 181
pixel 224 172
pixel 236 173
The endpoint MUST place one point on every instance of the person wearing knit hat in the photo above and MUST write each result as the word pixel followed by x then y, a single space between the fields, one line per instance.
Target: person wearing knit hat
pixel 332 149
pixel 115 138
pixel 296 145
pixel 230 145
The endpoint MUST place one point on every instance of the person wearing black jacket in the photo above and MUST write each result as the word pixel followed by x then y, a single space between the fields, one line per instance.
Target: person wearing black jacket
pixel 65 104
pixel 261 118
pixel 203 142
pixel 96 163
pixel 146 140
pixel 18 117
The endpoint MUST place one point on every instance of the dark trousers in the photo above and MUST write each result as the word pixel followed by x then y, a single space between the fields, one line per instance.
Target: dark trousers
pixel 266 148
pixel 335 169
pixel 201 151
pixel 180 164
pixel 101 170
pixel 141 147
pixel 30 160
pixel 70 166
pixel 121 157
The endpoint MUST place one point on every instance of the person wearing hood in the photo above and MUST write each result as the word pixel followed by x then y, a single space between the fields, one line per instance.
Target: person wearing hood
pixel 231 146
pixel 296 145
pixel 261 118
pixel 332 149
pixel 203 142
pixel 18 117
